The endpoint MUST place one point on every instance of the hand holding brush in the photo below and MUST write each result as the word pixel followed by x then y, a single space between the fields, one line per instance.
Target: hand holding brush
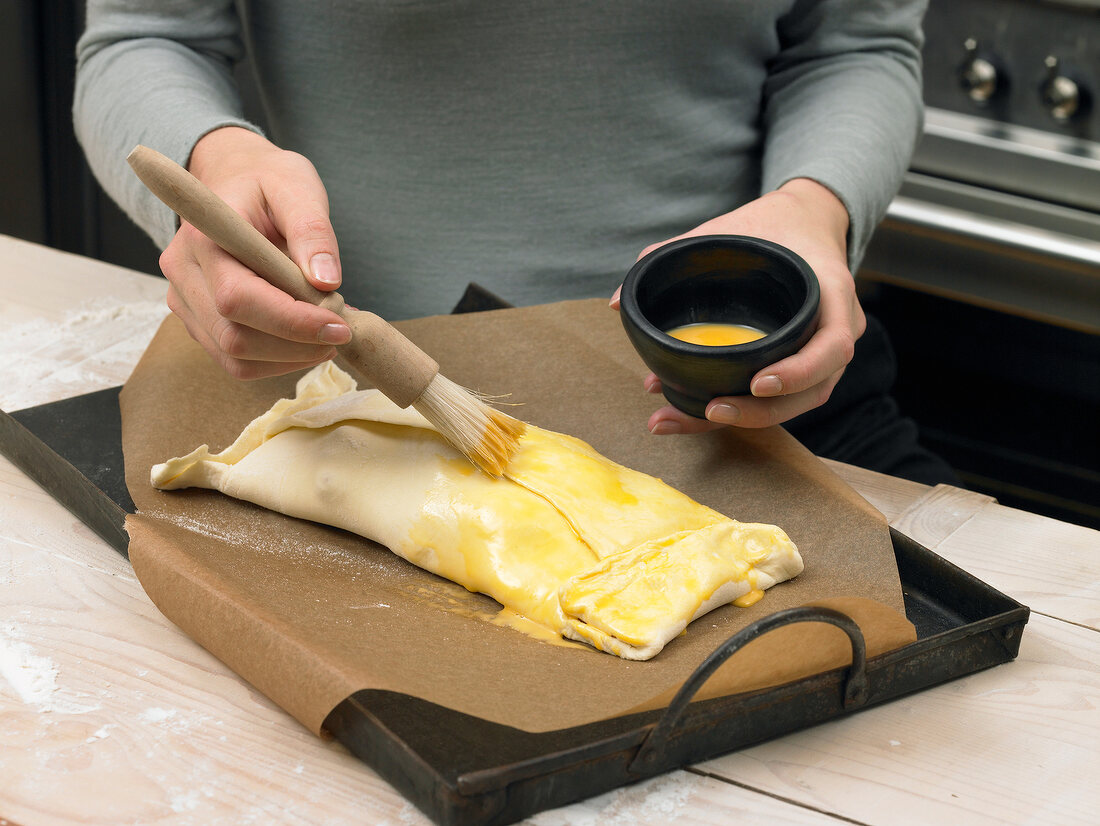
pixel 382 355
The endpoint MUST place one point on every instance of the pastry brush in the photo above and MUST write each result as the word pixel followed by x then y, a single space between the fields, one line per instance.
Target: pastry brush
pixel 386 358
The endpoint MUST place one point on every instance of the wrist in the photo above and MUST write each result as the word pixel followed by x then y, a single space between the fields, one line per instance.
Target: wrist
pixel 823 203
pixel 219 145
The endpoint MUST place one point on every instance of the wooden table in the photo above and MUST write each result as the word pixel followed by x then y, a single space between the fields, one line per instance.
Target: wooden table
pixel 110 715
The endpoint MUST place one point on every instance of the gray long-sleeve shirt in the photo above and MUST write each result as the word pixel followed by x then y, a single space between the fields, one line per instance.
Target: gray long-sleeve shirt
pixel 533 147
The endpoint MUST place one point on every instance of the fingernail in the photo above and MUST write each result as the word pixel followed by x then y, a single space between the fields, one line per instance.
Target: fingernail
pixel 335 334
pixel 767 386
pixel 652 384
pixel 665 427
pixel 723 413
pixel 323 267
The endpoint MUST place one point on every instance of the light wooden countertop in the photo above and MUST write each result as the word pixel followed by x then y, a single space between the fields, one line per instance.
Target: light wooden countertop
pixel 111 715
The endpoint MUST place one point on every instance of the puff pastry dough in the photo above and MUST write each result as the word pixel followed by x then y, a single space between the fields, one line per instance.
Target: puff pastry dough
pixel 589 549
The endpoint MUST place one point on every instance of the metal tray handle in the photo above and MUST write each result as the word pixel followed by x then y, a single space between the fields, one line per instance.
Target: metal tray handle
pixel 855 688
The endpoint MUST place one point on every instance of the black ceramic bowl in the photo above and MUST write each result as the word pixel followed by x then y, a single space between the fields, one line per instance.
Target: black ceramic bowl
pixel 731 279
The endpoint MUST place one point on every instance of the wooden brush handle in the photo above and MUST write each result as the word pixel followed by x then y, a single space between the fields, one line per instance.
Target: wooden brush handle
pixel 384 356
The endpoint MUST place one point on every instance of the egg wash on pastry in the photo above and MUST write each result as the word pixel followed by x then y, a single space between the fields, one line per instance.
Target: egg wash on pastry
pixel 582 547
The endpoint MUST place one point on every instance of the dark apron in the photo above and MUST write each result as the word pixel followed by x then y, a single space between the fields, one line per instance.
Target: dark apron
pixel 861 425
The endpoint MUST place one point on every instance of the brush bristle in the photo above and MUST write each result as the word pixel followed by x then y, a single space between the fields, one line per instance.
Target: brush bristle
pixel 486 436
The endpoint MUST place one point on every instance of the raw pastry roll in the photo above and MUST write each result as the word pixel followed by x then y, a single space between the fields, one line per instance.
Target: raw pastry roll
pixel 587 548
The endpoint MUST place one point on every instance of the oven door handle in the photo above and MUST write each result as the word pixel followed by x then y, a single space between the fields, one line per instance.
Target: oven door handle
pixel 933 218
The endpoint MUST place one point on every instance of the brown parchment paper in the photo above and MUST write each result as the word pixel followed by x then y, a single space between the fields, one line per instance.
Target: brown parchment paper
pixel 310 614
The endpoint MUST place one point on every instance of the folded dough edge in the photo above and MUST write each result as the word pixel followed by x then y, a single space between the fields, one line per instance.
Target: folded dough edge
pixel 632 563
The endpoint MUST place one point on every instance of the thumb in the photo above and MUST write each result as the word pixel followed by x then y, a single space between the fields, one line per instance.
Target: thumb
pixel 300 212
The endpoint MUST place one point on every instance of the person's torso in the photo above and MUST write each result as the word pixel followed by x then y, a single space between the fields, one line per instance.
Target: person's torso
pixel 534 148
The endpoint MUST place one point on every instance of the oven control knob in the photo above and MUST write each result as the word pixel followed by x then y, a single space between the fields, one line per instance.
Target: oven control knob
pixel 978 75
pixel 1062 96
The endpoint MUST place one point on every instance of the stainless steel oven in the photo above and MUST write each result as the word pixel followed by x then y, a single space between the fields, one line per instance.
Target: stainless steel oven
pixel 986 270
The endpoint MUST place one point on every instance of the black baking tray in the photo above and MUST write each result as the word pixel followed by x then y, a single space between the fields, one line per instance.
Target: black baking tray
pixel 459 769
